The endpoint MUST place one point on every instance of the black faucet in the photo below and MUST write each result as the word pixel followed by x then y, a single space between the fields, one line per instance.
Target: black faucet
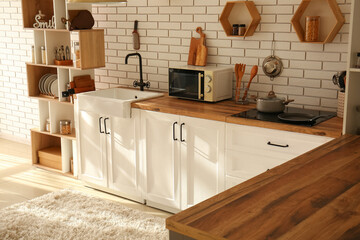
pixel 136 83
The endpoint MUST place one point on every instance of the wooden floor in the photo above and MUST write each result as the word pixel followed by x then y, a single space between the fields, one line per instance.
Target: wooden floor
pixel 20 181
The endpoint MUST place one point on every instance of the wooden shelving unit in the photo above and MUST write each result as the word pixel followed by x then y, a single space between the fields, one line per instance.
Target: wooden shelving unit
pixel 32 7
pixel 68 174
pixel 71 136
pixel 92 55
pixel 331 19
pixel 354 69
pixel 91 43
pixel 50 100
pixel 236 12
pixel 352 97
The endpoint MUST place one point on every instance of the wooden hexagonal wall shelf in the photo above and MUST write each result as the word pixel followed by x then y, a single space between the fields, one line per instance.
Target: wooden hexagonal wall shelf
pixel 240 12
pixel 331 19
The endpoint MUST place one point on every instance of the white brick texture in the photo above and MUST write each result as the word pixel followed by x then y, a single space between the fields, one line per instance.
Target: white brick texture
pixel 18 113
pixel 165 28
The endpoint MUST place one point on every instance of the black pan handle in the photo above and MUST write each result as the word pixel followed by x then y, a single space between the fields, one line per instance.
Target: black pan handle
pixel 277 145
pixel 174 138
pixel 100 125
pixel 181 139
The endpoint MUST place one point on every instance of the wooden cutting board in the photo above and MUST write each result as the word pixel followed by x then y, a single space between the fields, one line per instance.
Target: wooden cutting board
pixel 198 50
pixel 83 81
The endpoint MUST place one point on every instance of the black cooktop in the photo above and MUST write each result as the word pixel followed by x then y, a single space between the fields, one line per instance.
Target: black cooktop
pixel 273 117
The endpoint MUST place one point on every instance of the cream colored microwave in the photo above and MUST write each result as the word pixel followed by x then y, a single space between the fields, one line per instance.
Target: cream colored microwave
pixel 209 84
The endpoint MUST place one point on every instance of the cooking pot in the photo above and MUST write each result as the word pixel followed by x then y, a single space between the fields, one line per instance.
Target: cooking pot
pixel 271 104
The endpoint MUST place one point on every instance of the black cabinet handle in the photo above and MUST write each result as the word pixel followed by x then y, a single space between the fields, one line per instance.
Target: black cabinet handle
pixel 100 125
pixel 277 145
pixel 174 138
pixel 181 139
pixel 105 126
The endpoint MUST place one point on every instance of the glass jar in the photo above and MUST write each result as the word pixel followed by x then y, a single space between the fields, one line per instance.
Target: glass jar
pixel 43 55
pixel 65 127
pixel 357 60
pixel 312 27
pixel 242 29
pixel 33 54
pixel 235 29
pixel 77 54
pixel 47 125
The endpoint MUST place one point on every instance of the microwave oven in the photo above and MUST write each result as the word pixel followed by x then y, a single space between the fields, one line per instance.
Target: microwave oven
pixel 209 83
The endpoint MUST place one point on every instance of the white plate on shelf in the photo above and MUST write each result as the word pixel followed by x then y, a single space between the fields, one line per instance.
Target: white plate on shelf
pixel 47 83
pixel 45 79
pixel 41 82
pixel 54 88
pixel 49 86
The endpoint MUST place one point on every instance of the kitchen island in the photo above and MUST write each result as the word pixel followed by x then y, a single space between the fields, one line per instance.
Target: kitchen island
pixel 314 196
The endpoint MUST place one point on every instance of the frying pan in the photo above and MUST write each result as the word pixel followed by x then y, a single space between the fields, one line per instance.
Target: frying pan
pixel 299 117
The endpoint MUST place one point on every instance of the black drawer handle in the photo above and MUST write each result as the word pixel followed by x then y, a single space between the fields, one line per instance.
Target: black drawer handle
pixel 106 132
pixel 100 125
pixel 174 138
pixel 181 139
pixel 277 145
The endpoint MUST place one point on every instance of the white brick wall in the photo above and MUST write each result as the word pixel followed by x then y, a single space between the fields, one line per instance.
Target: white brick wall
pixel 171 24
pixel 18 113
pixel 165 28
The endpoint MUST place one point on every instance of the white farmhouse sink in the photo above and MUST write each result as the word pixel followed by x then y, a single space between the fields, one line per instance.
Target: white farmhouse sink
pixel 112 101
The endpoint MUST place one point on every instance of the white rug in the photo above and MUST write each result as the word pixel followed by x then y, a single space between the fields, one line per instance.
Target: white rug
pixel 69 214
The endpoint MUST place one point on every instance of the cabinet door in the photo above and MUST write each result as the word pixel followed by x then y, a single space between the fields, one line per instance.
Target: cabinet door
pixel 92 143
pixel 202 160
pixel 161 157
pixel 124 168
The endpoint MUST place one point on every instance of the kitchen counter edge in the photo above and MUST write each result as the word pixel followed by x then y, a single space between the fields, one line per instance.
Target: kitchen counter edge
pixel 222 111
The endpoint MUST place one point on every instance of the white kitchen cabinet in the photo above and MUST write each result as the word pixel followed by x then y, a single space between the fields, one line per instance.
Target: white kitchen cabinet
pixel 93 158
pixel 109 153
pixel 124 167
pixel 202 159
pixel 253 150
pixel 183 158
pixel 160 155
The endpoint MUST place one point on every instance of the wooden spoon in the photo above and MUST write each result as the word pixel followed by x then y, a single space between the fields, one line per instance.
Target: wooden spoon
pixel 253 73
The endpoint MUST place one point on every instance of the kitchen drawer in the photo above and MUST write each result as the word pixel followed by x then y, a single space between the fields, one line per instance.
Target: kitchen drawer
pixel 247 163
pixel 271 140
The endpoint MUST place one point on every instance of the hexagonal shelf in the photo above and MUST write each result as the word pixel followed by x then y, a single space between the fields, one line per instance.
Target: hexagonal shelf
pixel 331 19
pixel 240 12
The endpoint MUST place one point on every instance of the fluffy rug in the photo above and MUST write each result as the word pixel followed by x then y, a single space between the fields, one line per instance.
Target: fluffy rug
pixel 69 214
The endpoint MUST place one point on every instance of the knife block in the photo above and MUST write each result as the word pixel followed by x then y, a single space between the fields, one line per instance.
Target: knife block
pixel 63 62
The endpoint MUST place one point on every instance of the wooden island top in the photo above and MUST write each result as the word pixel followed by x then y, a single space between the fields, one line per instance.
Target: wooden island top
pixel 223 110
pixel 314 196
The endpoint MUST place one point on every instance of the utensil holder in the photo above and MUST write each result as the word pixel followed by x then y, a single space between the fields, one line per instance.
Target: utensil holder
pixel 245 101
pixel 63 62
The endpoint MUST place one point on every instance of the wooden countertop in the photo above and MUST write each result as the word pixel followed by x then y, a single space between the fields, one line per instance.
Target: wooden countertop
pixel 314 196
pixel 222 111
